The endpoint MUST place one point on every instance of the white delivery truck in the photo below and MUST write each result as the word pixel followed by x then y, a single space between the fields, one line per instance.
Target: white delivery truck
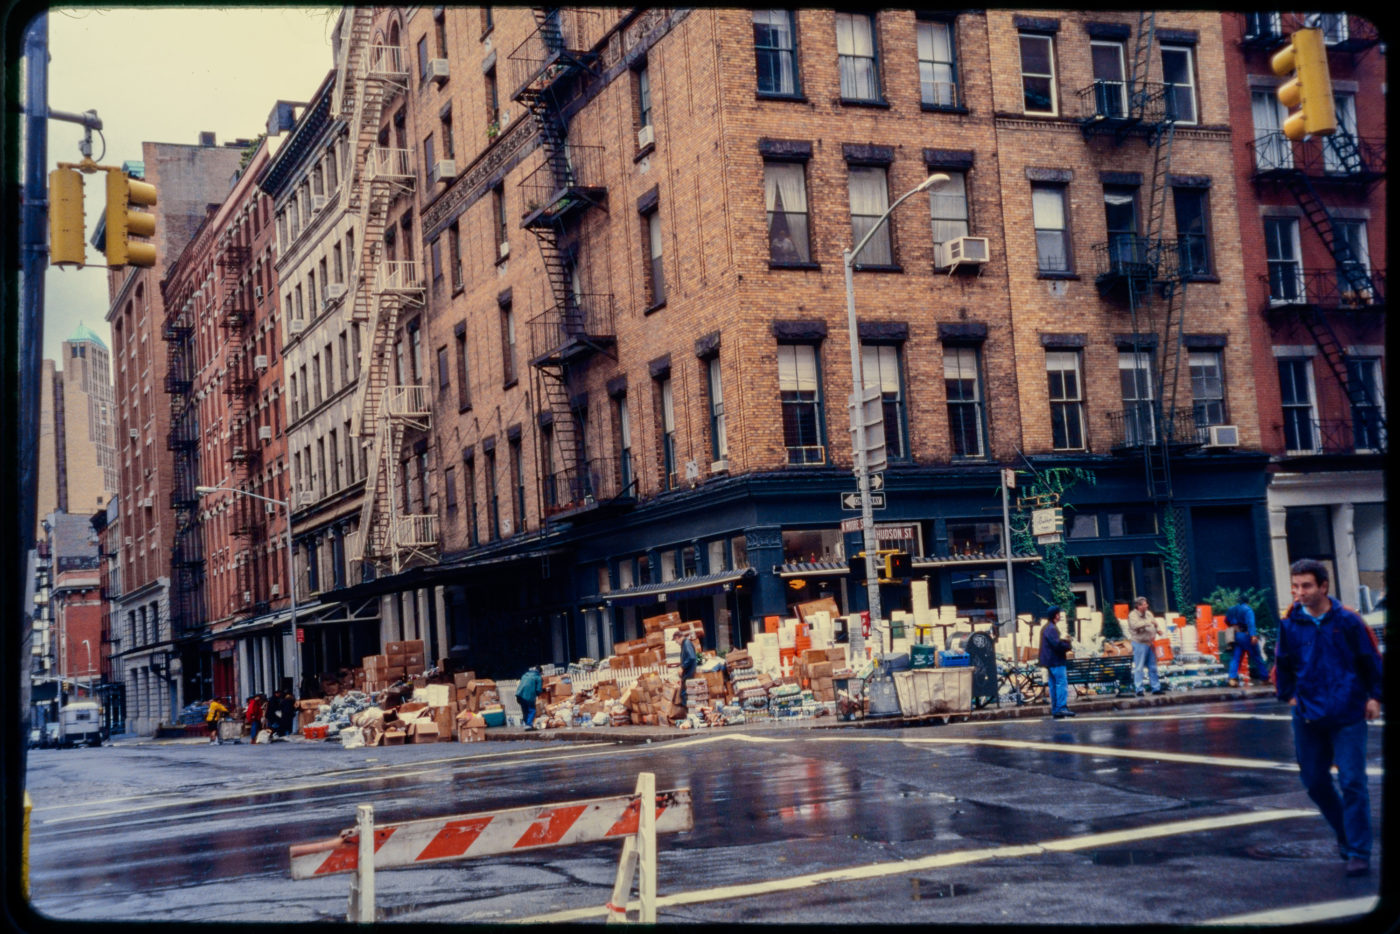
pixel 80 722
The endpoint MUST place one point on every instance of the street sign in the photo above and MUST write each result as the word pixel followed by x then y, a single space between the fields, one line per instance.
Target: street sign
pixel 851 501
pixel 1008 478
pixel 1048 525
pixel 868 426
pixel 853 524
pixel 301 634
pixel 877 481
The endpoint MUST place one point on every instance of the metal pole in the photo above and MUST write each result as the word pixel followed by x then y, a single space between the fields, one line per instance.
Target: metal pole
pixel 292 598
pixel 867 514
pixel 1006 547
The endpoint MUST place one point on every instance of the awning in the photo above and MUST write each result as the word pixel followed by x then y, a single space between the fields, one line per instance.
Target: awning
pixel 255 624
pixel 697 586
pixel 812 569
pixel 950 561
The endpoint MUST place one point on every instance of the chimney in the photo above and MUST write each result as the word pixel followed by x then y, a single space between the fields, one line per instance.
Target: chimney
pixel 206 138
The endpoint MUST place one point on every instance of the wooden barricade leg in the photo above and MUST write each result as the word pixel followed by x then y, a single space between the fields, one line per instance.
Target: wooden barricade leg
pixel 638 860
pixel 361 908
pixel 622 886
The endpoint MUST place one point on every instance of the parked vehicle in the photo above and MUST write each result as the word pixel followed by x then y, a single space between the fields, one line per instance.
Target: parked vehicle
pixel 81 722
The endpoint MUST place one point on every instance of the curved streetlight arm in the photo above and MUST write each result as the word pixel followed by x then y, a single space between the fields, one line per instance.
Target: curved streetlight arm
pixel 937 178
pixel 206 490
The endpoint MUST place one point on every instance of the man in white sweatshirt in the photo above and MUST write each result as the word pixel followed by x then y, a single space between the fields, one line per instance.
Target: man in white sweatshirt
pixel 1143 630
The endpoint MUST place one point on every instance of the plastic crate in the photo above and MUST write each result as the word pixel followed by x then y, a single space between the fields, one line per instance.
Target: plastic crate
pixel 494 716
pixel 954 660
pixel 922 656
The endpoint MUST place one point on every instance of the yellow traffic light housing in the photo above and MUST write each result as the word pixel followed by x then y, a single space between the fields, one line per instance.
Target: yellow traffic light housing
pixel 66 241
pixel 1310 89
pixel 124 192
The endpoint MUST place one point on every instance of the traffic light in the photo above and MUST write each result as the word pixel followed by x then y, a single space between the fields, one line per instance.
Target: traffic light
pixel 1310 90
pixel 123 223
pixel 66 242
pixel 898 566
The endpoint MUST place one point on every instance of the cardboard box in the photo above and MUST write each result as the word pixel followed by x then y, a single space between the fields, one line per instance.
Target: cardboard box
pixel 394 737
pixel 376 661
pixel 657 623
pixel 820 671
pixel 462 678
pixel 423 731
pixel 655 639
pixel 414 658
pixel 837 656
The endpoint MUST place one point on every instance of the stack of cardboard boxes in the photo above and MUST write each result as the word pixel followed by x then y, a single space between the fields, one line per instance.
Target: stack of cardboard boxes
pixel 817 668
pixel 658 633
pixel 400 661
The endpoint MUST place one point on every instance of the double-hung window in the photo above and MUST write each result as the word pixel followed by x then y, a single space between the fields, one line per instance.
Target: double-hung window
pixel 719 437
pixel 1066 400
pixel 1272 150
pixel 1281 254
pixel 1367 431
pixel 869 189
pixel 1121 219
pixel 785 197
pixel 855 54
pixel 799 387
pixel 1135 378
pixel 1207 387
pixel 1192 231
pixel 880 367
pixel 1353 273
pixel 1051 228
pixel 1038 74
pixel 1110 84
pixel 1296 399
pixel 938 76
pixel 948 206
pixel 775 52
pixel 624 446
pixel 643 97
pixel 964 393
pixel 1179 76
pixel 670 479
pixel 656 274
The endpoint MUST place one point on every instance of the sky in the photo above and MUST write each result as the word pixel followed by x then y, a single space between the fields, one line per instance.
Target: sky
pixel 163 75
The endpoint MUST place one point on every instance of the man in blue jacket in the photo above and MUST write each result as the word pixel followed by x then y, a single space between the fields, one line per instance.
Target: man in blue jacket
pixel 1053 652
pixel 526 691
pixel 1328 669
pixel 1241 617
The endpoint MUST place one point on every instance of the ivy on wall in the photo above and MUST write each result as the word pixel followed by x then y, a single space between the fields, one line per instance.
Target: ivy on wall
pixel 1054 567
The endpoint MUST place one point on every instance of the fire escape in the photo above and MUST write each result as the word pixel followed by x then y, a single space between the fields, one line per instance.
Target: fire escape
pixel 1341 164
pixel 248 525
pixel 548 71
pixel 1147 272
pixel 187 612
pixel 390 536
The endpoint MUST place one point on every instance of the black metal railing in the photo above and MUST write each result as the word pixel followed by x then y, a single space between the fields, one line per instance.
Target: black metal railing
pixel 572 327
pixel 559 186
pixel 1341 157
pixel 555 48
pixel 1144 423
pixel 1262 31
pixel 1306 436
pixel 1328 289
pixel 1112 103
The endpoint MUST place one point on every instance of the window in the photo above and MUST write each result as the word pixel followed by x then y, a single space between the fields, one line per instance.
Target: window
pixel 444 377
pixel 498 218
pixel 948 205
pixel 669 478
pixel 1051 228
pixel 508 344
pixel 335 460
pixel 440 31
pixel 517 484
pixel 445 132
pixel 422 59
pixel 799 388
pixel 656 274
pixel 1281 253
pixel 1121 220
pixel 1207 387
pixel 1135 379
pixel 454 255
pixel 349 454
pixel 428 158
pixel 938 76
pixel 1352 274
pixel 1333 26
pixel 880 366
pixel 493 504
pixel 855 55
pixel 551 482
pixel 435 260
pixel 339 263
pixel 1338 150
pixel 960 376
pixel 775 52
pixel 1179 76
pixel 316 378
pixel 464 399
pixel 1367 420
pixel 624 445
pixel 1296 396
pixel 449 487
pixel 1038 74
pixel 785 197
pixel 493 102
pixel 869 200
pixel 719 439
pixel 1262 25
pixel 1066 399
pixel 643 97
pixel 469 498
pixel 1110 86
pixel 1192 231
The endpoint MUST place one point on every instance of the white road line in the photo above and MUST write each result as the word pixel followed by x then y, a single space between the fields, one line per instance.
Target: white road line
pixel 1304 914
pixel 937 861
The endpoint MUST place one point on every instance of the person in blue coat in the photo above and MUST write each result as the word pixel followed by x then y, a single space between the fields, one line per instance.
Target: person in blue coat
pixel 1241 617
pixel 531 682
pixel 1053 653
pixel 690 659
pixel 1328 668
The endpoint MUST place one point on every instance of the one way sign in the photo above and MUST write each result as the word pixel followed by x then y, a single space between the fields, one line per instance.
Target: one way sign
pixel 851 501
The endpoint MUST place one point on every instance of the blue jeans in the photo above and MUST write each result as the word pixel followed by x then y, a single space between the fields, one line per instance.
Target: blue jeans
pixel 1059 689
pixel 528 709
pixel 1257 669
pixel 1318 747
pixel 1145 656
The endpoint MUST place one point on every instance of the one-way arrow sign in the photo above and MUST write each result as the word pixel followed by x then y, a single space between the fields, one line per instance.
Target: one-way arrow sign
pixel 851 501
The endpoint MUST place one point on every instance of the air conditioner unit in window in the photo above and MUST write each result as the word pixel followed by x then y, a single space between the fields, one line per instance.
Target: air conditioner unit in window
pixel 317 202
pixel 265 434
pixel 148 502
pixel 257 292
pixel 276 590
pixel 247 596
pixel 961 251
pixel 437 69
pixel 296 325
pixel 126 540
pixel 335 290
pixel 504 249
pixel 646 136
pixel 1224 436
pixel 270 508
pixel 305 498
pixel 133 433
pixel 260 361
pixel 443 170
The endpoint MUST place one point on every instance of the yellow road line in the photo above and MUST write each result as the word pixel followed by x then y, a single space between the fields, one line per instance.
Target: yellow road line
pixel 1304 914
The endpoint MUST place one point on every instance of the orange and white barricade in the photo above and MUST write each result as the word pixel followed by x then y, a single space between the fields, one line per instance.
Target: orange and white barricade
pixel 365 848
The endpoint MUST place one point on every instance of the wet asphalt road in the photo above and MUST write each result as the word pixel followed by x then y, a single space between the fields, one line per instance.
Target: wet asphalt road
pixel 1118 818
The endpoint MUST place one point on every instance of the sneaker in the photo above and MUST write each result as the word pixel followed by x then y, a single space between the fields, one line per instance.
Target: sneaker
pixel 1062 714
pixel 1139 692
pixel 1358 867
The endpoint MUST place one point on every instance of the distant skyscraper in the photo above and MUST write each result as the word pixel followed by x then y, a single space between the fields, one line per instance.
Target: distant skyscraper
pixel 78 468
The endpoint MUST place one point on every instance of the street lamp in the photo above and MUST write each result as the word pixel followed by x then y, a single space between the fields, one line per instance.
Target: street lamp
pixel 88 645
pixel 867 517
pixel 291 570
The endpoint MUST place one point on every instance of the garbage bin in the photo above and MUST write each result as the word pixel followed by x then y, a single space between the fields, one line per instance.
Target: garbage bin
pixel 230 731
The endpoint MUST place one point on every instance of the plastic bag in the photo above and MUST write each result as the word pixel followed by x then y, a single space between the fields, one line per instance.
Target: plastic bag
pixel 352 737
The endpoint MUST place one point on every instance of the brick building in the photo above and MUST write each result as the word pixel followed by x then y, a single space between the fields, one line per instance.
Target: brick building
pixel 77 466
pixel 1313 229
pixel 619 285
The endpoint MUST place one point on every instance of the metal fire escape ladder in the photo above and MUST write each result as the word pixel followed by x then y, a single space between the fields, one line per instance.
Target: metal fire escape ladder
pixel 1137 76
pixel 186 558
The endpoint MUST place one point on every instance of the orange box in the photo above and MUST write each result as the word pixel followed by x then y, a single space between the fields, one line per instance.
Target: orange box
pixel 1163 648
pixel 1120 611
pixel 771 623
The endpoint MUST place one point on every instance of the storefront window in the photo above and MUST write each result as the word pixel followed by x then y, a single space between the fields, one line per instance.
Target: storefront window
pixel 974 538
pixel 689 566
pixel 1132 522
pixel 981 595
pixel 715 551
pixel 739 546
pixel 809 545
pixel 1084 525
pixel 667 560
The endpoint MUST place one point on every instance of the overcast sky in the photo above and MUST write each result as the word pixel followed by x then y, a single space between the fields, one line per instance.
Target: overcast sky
pixel 163 75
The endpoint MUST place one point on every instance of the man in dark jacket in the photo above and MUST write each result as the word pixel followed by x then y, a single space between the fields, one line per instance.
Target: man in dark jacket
pixel 1053 651
pixel 689 660
pixel 286 713
pixel 526 691
pixel 1246 639
pixel 1329 670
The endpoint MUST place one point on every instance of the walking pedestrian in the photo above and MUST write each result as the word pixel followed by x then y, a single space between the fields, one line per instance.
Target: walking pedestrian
pixel 216 713
pixel 531 682
pixel 286 713
pixel 690 658
pixel 272 713
pixel 1241 617
pixel 1053 653
pixel 1144 629
pixel 1327 666
pixel 253 714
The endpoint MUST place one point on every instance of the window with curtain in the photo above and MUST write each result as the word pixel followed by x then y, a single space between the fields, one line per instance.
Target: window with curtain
pixel 656 273
pixel 1179 76
pixel 1051 228
pixel 1352 274
pixel 855 54
pixel 1110 84
pixel 1135 379
pixel 1367 429
pixel 948 205
pixel 964 394
pixel 1192 230
pixel 624 445
pixel 1296 399
pixel 775 51
pixel 643 97
pixel 880 366
pixel 669 479
pixel 1207 386
pixel 1121 220
pixel 719 438
pixel 1066 400
pixel 1338 149
pixel 799 387
pixel 1038 74
pixel 785 198
pixel 869 200
pixel 938 76
pixel 1281 256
